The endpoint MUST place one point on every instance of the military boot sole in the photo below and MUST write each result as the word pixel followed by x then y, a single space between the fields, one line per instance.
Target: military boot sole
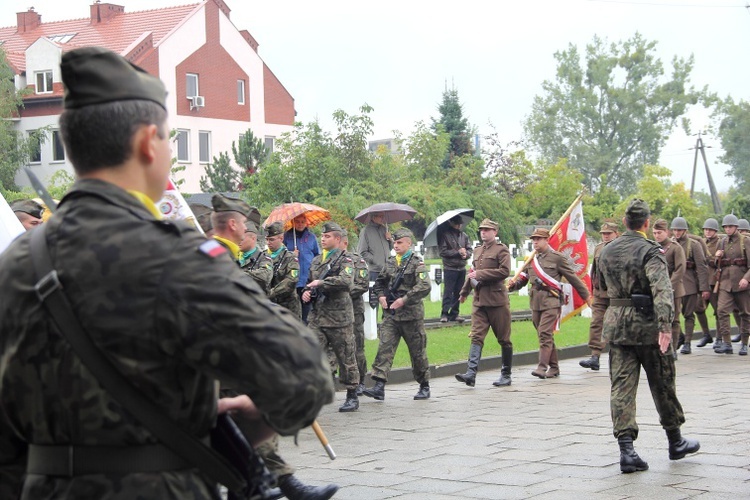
pixel 348 407
pixel 470 381
pixel 627 469
pixel 369 394
pixel 678 455
pixel 539 374
pixel 502 382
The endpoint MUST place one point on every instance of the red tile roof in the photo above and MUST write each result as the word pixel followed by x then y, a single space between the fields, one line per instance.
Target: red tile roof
pixel 117 34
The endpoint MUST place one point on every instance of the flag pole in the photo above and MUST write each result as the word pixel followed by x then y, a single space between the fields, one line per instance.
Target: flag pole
pixel 552 231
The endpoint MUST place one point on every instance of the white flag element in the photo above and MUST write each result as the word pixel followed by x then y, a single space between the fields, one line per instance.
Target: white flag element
pixel 10 226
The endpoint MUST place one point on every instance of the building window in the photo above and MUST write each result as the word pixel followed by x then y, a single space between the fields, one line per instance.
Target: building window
pixel 58 151
pixel 44 82
pixel 183 145
pixel 192 85
pixel 204 147
pixel 269 144
pixel 35 147
pixel 240 91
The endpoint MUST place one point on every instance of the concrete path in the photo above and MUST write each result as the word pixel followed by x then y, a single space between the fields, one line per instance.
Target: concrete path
pixel 536 439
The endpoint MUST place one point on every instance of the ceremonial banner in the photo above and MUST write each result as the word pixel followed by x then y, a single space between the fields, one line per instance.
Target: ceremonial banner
pixel 10 226
pixel 174 207
pixel 569 238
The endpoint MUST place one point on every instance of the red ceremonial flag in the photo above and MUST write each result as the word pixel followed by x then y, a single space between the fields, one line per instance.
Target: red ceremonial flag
pixel 570 239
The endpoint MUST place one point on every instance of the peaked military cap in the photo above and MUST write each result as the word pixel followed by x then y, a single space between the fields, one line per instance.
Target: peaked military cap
pixel 661 225
pixel 489 224
pixel 540 233
pixel 93 75
pixel 403 233
pixel 223 203
pixel 637 209
pixel 250 227
pixel 344 233
pixel 330 227
pixel 608 227
pixel 274 229
pixel 30 207
pixel 202 216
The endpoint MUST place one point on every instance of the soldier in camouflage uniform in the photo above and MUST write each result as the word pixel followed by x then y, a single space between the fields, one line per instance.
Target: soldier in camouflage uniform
pixel 28 212
pixel 360 286
pixel 600 301
pixel 328 288
pixel 167 307
pixel 403 315
pixel 675 257
pixel 283 288
pixel 228 220
pixel 254 261
pixel 637 325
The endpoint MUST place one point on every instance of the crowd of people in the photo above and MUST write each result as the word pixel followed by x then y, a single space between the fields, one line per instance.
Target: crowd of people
pixel 174 310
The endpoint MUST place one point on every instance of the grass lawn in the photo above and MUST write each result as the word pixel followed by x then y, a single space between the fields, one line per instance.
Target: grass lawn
pixel 446 345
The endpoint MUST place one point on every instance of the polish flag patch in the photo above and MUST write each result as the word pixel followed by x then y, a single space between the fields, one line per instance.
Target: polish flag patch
pixel 212 248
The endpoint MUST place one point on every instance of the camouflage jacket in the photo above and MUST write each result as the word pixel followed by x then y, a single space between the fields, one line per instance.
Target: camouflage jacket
pixel 633 264
pixel 333 307
pixel 283 288
pixel 361 281
pixel 172 312
pixel 259 267
pixel 414 287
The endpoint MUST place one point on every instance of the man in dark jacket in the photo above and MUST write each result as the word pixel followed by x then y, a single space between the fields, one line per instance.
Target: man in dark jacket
pixel 455 250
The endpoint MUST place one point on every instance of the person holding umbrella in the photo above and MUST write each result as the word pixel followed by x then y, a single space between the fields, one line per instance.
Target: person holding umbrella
pixel 375 244
pixel 304 245
pixel 455 250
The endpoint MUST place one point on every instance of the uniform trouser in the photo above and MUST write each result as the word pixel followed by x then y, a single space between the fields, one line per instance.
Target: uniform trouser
pixel 269 452
pixel 714 301
pixel 453 280
pixel 690 305
pixel 544 322
pixel 341 342
pixel 359 337
pixel 484 318
pixel 625 362
pixel 391 332
pixel 598 308
pixel 676 324
pixel 728 302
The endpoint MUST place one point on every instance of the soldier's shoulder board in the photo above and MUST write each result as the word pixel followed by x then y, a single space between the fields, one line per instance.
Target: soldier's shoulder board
pixel 212 248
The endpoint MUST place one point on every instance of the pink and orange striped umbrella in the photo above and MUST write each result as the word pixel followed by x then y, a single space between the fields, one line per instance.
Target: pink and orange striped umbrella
pixel 287 212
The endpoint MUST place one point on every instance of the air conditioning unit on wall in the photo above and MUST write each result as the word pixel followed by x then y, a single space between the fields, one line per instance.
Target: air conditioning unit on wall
pixel 197 101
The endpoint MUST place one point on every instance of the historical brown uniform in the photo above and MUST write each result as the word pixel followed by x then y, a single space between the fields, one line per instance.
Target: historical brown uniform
pixel 734 267
pixel 599 306
pixel 545 306
pixel 675 257
pixel 695 281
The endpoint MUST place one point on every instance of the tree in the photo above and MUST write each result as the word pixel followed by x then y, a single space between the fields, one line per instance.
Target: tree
pixel 734 133
pixel 15 149
pixel 510 170
pixel 556 187
pixel 611 115
pixel 453 122
pixel 220 177
pixel 250 153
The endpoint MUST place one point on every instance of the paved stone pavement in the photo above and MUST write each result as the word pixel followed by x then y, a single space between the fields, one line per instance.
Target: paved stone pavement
pixel 536 439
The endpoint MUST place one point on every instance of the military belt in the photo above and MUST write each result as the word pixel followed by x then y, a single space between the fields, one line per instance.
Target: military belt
pixel 690 265
pixel 70 461
pixel 621 302
pixel 733 262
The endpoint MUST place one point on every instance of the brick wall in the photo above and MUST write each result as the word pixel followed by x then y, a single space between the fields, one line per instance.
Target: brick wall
pixel 279 103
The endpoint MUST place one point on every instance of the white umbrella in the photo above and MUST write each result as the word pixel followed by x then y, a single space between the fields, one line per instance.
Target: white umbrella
pixel 431 235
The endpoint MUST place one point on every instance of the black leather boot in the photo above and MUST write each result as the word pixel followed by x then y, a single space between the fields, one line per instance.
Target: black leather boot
pixel 707 339
pixel 424 391
pixel 295 490
pixel 629 459
pixel 377 391
pixel 505 379
pixel 679 446
pixel 681 340
pixel 351 403
pixel 592 362
pixel 470 377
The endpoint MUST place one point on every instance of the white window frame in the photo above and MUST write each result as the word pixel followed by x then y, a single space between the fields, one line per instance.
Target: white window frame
pixel 188 78
pixel 241 92
pixel 183 133
pixel 273 143
pixel 57 141
pixel 29 137
pixel 46 79
pixel 201 159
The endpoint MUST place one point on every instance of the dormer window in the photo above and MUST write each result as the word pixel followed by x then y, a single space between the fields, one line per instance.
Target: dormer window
pixel 61 39
pixel 44 82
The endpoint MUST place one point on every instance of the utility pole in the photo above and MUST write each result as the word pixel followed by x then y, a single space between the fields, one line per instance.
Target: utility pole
pixel 699 146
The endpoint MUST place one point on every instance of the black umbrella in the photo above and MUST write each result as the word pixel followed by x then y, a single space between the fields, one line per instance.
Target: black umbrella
pixel 431 235
pixel 394 212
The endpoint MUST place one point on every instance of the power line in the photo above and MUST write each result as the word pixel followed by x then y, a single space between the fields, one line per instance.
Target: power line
pixel 663 4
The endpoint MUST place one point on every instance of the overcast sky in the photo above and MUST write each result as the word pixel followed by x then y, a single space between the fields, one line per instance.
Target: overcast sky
pixel 398 55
